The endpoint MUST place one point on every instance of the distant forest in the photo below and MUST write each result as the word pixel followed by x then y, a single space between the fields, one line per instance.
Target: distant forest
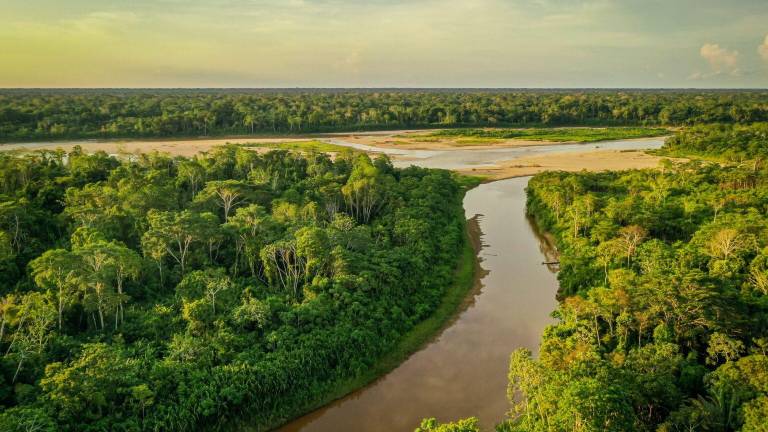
pixel 61 114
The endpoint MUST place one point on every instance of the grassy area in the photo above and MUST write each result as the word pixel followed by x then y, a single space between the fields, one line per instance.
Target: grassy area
pixel 411 342
pixel 477 141
pixel 470 181
pixel 484 136
pixel 304 146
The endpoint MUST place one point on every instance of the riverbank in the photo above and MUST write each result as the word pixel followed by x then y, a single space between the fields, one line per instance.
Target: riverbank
pixel 467 268
pixel 449 139
pixel 595 161
pixel 462 371
pixel 401 140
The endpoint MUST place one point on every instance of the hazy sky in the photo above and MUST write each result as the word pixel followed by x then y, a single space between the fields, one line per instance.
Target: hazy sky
pixel 380 43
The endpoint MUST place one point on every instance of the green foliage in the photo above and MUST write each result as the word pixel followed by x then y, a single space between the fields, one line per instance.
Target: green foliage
pixel 551 134
pixel 463 425
pixel 160 293
pixel 305 146
pixel 721 141
pixel 662 312
pixel 52 114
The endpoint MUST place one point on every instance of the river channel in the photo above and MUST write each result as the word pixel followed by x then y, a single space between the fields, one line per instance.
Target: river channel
pixel 463 371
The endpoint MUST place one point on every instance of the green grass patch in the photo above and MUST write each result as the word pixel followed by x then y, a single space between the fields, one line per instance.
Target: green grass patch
pixel 470 181
pixel 304 146
pixel 477 141
pixel 423 138
pixel 550 134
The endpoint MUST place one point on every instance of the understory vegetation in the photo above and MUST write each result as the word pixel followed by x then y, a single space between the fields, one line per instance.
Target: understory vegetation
pixel 61 114
pixel 160 293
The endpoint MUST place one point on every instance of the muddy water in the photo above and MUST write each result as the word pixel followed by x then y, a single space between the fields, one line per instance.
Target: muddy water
pixel 463 372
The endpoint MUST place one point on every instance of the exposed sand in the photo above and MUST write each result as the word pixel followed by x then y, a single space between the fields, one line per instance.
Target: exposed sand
pixel 184 147
pixel 598 160
pixel 415 140
pixel 397 139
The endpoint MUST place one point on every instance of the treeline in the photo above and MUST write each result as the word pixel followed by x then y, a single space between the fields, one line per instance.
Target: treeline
pixel 40 114
pixel 163 293
pixel 664 293
pixel 722 141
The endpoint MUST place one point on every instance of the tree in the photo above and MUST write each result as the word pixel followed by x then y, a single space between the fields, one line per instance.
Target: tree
pixel 58 271
pixel 725 243
pixel 723 347
pixel 313 246
pixel 363 192
pixel 631 236
pixel 284 266
pixel 14 219
pixel 253 229
pixel 96 382
pixel 9 309
pixel 226 193
pixel 204 284
pixel 178 232
pixel 26 419
pixel 36 316
pixel 463 425
pixel 192 174
pixel 127 265
pixel 98 294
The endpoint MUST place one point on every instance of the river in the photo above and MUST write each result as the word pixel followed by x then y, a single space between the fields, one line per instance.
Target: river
pixel 463 371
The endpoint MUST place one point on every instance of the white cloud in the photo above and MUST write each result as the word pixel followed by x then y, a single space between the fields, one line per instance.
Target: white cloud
pixel 720 59
pixel 763 49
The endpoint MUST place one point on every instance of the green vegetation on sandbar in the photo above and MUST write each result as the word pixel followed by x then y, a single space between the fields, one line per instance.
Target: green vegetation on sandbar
pixel 485 136
pixel 305 146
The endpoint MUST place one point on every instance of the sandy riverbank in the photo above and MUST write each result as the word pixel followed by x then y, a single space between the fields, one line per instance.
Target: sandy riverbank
pixel 176 147
pixel 598 160
pixel 397 139
pixel 416 140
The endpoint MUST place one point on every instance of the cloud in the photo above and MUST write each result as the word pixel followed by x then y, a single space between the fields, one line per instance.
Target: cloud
pixel 720 59
pixel 763 49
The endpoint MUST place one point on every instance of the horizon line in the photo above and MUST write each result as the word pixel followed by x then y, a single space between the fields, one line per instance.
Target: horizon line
pixel 384 88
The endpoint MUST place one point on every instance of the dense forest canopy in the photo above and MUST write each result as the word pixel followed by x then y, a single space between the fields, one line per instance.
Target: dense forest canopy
pixel 721 141
pixel 161 293
pixel 664 293
pixel 663 313
pixel 52 114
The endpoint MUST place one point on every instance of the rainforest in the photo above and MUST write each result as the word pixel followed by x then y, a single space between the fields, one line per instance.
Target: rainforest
pixel 300 279
pixel 168 293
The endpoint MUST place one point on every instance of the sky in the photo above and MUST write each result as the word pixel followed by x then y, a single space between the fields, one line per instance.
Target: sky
pixel 384 43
